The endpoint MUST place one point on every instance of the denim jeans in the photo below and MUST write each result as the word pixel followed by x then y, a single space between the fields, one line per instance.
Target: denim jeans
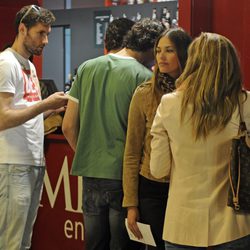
pixel 20 192
pixel 104 217
pixel 239 244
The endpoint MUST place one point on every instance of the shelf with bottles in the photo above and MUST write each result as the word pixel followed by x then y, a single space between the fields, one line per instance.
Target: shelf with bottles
pixel 131 2
pixel 166 12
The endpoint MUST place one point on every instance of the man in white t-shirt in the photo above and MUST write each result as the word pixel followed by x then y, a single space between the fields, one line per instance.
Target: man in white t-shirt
pixel 21 128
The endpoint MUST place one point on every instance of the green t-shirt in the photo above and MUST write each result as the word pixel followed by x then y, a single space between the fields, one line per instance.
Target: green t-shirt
pixel 104 87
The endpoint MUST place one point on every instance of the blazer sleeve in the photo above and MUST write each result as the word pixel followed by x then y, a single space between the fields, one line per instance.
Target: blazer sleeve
pixel 161 157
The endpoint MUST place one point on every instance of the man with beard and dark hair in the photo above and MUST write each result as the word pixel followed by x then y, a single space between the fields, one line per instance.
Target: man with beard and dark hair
pixel 21 128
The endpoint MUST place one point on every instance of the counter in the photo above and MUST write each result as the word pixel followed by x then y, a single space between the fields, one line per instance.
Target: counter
pixel 59 224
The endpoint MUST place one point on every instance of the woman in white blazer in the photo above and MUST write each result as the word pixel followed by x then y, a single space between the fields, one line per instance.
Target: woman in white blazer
pixel 192 133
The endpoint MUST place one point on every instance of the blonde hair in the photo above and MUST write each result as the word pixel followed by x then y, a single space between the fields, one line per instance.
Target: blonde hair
pixel 211 83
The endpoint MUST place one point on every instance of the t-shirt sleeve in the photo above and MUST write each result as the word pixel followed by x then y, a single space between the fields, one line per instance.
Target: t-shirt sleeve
pixel 76 85
pixel 7 73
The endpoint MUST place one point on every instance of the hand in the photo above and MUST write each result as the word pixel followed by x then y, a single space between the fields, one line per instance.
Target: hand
pixel 58 100
pixel 50 112
pixel 133 217
pixel 59 110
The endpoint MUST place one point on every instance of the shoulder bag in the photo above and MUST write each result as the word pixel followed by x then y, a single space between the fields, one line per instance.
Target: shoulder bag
pixel 239 169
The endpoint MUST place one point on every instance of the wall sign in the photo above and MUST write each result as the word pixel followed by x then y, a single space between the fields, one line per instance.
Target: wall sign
pixel 101 22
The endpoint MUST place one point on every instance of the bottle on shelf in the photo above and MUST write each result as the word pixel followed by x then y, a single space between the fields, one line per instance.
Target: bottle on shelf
pixel 111 18
pixel 133 18
pixel 123 2
pixel 165 17
pixel 174 23
pixel 168 18
pixel 177 12
pixel 154 14
pixel 131 1
pixel 115 2
pixel 138 16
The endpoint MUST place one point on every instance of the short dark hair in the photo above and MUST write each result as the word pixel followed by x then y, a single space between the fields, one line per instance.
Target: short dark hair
pixel 115 33
pixel 30 15
pixel 143 35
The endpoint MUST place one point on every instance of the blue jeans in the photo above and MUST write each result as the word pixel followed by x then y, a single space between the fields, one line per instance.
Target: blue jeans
pixel 239 244
pixel 104 217
pixel 20 192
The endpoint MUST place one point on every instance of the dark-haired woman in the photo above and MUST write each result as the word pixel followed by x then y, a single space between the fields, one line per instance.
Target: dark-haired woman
pixel 145 196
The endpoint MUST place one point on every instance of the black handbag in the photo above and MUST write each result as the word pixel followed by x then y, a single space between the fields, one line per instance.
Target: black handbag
pixel 239 169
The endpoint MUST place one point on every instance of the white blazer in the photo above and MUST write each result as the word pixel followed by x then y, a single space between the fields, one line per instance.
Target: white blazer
pixel 197 213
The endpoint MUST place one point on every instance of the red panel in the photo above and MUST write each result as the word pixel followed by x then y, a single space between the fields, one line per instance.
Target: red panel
pixel 201 16
pixel 8 10
pixel 18 3
pixel 40 2
pixel 7 30
pixel 108 2
pixel 246 44
pixel 232 20
pixel 195 16
pixel 59 224
pixel 38 61
pixel 226 17
pixel 185 15
pixel 228 20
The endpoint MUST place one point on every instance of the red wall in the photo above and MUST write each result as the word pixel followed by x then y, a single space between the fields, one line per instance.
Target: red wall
pixel 59 223
pixel 226 17
pixel 231 18
pixel 185 14
pixel 8 11
pixel 7 25
pixel 195 16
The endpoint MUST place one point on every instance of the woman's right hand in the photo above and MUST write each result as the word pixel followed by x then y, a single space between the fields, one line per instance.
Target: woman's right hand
pixel 133 217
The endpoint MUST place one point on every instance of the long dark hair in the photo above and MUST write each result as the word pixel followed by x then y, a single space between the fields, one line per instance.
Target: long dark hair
pixel 181 40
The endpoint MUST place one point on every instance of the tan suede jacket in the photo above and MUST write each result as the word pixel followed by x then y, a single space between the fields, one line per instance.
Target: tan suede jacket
pixel 137 150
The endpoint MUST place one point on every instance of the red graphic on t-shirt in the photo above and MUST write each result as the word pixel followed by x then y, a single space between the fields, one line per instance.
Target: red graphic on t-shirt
pixel 31 91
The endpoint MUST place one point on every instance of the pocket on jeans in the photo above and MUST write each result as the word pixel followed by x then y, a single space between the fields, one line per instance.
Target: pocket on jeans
pixel 116 199
pixel 19 169
pixel 91 201
pixel 3 205
pixel 3 186
pixel 21 175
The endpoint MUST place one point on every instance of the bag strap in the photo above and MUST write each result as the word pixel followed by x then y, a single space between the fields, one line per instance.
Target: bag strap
pixel 242 125
pixel 241 129
pixel 235 192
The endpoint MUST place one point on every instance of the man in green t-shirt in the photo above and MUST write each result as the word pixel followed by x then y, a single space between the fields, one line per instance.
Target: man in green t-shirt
pixel 95 125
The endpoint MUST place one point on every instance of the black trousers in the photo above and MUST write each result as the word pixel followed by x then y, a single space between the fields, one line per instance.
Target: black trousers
pixel 153 197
